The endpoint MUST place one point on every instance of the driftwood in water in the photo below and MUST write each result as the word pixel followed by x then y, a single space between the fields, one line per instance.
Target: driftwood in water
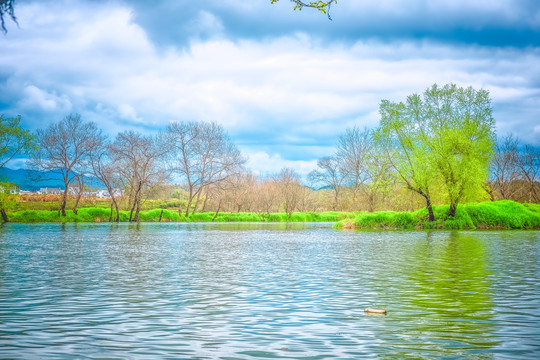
pixel 375 311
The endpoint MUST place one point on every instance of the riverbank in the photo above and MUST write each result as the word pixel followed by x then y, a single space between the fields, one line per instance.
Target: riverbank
pixel 504 214
pixel 98 215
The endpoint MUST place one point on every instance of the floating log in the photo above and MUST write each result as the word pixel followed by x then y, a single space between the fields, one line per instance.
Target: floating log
pixel 375 311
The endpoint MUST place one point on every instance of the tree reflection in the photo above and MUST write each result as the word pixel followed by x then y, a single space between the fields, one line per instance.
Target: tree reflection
pixel 451 309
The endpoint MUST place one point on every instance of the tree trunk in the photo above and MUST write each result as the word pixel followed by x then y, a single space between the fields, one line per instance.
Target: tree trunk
pixel 4 215
pixel 430 209
pixel 79 194
pixel 136 204
pixel 138 200
pixel 117 212
pixel 452 210
pixel 63 203
pixel 160 215
pixel 188 206
pixel 428 201
pixel 197 202
pixel 217 211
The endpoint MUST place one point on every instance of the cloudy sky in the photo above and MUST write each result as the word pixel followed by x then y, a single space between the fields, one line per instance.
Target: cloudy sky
pixel 284 84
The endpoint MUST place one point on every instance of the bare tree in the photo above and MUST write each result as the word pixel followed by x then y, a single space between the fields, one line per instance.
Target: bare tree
pixel 105 168
pixel 330 174
pixel 529 164
pixel 64 149
pixel 202 155
pixel 138 159
pixel 353 151
pixel 267 196
pixel 288 182
pixel 504 167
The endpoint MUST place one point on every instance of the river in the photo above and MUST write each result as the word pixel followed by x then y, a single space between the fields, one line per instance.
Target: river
pixel 255 291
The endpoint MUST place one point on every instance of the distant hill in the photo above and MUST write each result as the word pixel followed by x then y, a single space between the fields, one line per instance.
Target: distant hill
pixel 34 180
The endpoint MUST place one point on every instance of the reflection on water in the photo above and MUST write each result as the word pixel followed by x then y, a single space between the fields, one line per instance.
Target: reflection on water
pixel 237 291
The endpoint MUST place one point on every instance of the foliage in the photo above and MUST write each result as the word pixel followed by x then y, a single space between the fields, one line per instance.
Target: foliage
pixel 444 137
pixel 6 8
pixel 14 140
pixel 505 214
pixel 322 6
pixel 95 214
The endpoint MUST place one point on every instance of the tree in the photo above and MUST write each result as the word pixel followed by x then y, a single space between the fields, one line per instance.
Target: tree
pixel 329 174
pixel 202 155
pixel 447 136
pixel 106 169
pixel 460 131
pixel 139 161
pixel 398 134
pixel 64 149
pixel 6 198
pixel 288 183
pixel 529 164
pixel 353 151
pixel 6 8
pixel 14 140
pixel 504 167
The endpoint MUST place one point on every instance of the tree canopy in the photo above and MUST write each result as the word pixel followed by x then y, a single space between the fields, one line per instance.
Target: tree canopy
pixel 444 138
pixel 14 139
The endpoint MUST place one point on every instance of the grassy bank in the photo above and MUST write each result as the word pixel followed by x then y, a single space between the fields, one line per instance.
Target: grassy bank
pixel 103 214
pixel 503 214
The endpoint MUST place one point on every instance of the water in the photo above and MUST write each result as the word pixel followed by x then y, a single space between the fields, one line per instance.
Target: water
pixel 252 291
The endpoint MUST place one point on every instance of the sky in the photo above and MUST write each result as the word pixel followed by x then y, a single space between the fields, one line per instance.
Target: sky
pixel 283 83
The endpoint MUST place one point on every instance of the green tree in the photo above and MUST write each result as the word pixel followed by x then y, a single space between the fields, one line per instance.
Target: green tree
pixel 460 131
pixel 14 140
pixel 446 136
pixel 399 134
pixel 6 198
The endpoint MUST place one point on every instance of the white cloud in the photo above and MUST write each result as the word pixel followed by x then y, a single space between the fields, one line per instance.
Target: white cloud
pixel 36 98
pixel 265 164
pixel 279 91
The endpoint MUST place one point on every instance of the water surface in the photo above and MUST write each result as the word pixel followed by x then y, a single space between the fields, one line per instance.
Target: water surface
pixel 252 291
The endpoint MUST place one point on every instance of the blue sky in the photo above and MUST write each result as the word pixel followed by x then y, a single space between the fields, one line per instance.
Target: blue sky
pixel 284 84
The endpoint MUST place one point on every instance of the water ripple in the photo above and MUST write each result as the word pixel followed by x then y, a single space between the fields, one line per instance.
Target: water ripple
pixel 207 291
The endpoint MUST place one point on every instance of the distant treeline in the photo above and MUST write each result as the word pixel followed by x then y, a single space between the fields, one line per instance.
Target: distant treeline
pixel 435 148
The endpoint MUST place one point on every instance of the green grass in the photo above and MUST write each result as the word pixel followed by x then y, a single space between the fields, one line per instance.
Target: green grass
pixel 97 214
pixel 503 214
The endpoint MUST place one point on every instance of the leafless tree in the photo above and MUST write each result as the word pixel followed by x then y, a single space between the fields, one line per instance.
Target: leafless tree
pixel 353 151
pixel 504 167
pixel 331 174
pixel 64 149
pixel 202 155
pixel 267 196
pixel 138 159
pixel 529 165
pixel 288 183
pixel 106 169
